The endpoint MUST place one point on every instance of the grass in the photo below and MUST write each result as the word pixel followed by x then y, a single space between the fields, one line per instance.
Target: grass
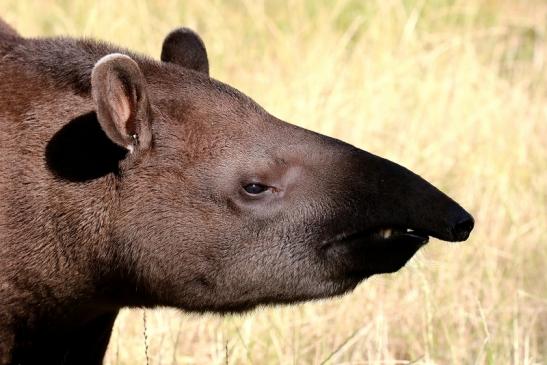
pixel 454 89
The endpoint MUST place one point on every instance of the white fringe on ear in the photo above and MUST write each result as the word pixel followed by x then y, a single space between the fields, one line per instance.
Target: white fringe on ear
pixel 107 58
pixel 111 56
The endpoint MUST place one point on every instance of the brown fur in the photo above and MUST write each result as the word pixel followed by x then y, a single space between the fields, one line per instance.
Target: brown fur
pixel 6 30
pixel 123 183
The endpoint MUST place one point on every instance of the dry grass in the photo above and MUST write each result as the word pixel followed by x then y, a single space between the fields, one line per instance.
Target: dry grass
pixel 455 90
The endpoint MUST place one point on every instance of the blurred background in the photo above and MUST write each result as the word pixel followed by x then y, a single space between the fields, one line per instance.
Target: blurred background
pixel 456 90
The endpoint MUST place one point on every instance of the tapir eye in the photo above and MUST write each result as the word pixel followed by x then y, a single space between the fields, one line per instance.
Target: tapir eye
pixel 255 188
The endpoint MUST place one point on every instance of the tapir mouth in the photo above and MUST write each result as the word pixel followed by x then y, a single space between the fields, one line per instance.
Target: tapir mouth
pixel 388 234
pixel 380 236
pixel 381 250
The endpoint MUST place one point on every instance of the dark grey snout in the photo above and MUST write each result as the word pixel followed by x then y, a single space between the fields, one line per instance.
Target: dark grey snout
pixel 463 226
pixel 398 199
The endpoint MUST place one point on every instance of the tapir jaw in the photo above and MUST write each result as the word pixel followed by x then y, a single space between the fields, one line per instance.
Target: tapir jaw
pixel 383 250
pixel 388 249
pixel 372 254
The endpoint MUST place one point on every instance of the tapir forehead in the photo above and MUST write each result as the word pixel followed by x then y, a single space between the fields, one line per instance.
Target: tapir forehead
pixel 181 90
pixel 202 120
pixel 200 107
pixel 210 118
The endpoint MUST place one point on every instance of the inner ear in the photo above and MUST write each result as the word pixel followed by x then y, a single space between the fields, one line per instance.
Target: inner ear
pixel 120 94
pixel 185 47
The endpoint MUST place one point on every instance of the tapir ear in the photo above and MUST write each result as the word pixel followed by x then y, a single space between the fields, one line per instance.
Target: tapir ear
pixel 184 47
pixel 119 91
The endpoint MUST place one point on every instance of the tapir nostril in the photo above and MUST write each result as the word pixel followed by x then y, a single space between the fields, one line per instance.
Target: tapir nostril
pixel 462 229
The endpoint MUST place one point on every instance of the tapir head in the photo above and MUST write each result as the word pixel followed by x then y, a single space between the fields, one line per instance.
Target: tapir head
pixel 222 206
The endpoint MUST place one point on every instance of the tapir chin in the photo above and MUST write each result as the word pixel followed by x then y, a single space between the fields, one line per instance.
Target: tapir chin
pixel 131 182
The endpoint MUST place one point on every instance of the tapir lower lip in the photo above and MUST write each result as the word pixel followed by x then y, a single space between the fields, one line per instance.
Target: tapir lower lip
pixel 371 254
pixel 369 237
pixel 414 237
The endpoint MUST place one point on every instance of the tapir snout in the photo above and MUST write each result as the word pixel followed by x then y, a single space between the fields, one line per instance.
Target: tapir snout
pixel 402 198
pixel 391 212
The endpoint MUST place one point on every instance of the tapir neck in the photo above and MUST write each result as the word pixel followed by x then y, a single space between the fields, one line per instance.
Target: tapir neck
pixel 67 315
pixel 55 232
pixel 84 343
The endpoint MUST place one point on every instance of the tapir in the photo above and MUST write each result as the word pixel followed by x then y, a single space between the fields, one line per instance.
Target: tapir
pixel 131 182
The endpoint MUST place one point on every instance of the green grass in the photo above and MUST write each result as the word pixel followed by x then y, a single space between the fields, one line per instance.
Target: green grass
pixel 455 90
